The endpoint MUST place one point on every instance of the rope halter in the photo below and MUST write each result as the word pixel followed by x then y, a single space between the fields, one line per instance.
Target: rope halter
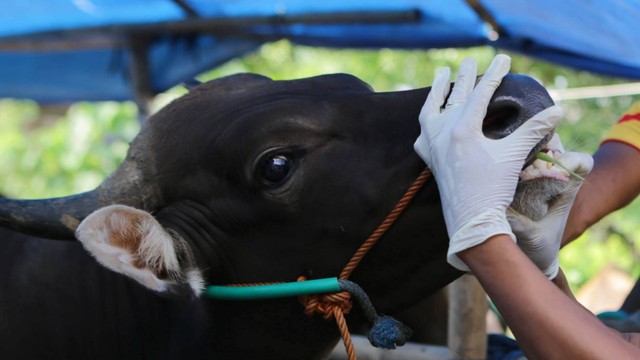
pixel 332 297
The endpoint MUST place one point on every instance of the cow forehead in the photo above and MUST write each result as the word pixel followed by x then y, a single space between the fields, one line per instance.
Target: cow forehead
pixel 215 117
pixel 218 104
pixel 257 85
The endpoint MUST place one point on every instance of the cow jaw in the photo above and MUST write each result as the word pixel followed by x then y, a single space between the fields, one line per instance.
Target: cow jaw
pixel 131 242
pixel 542 182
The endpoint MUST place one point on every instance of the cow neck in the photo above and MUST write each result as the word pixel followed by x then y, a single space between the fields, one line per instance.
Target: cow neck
pixel 334 299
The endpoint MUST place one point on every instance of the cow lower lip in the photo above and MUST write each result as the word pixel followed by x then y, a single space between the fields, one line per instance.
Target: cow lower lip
pixel 550 175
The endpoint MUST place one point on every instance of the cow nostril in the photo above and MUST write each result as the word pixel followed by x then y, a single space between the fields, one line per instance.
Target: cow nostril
pixel 501 120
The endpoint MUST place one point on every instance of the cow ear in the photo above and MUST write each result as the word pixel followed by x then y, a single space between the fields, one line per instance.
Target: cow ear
pixel 132 242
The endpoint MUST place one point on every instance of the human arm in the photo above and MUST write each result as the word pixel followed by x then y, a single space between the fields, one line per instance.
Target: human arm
pixel 612 184
pixel 477 178
pixel 547 324
pixel 562 283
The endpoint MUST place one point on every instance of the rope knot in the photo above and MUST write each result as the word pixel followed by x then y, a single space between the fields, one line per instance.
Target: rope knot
pixel 326 304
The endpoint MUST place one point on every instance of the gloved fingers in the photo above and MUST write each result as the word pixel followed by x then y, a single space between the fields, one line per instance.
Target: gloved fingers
pixel 465 82
pixel 421 147
pixel 521 225
pixel 558 212
pixel 552 270
pixel 478 101
pixel 438 93
pixel 431 108
pixel 555 143
pixel 579 163
pixel 532 131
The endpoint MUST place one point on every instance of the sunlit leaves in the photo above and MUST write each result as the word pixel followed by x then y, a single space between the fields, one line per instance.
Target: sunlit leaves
pixel 41 156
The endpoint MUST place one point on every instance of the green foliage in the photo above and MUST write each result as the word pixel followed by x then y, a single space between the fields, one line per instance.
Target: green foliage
pixel 613 240
pixel 46 156
pixel 43 155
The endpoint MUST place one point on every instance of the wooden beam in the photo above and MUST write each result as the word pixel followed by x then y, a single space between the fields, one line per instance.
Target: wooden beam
pixel 62 45
pixel 191 13
pixel 485 15
pixel 467 335
pixel 220 26
pixel 140 76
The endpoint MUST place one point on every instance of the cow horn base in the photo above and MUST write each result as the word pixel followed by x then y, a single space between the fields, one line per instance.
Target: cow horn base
pixel 58 218
pixel 55 218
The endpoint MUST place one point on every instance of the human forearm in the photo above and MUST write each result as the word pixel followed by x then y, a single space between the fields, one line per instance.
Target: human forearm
pixel 612 184
pixel 562 283
pixel 531 304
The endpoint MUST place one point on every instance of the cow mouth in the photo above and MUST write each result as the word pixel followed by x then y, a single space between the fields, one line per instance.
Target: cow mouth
pixel 541 183
pixel 539 169
pixel 540 147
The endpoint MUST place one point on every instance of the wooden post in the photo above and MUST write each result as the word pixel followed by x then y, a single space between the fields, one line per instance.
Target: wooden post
pixel 140 75
pixel 467 335
pixel 408 351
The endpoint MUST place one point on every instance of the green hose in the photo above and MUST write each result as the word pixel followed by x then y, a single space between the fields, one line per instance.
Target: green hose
pixel 317 286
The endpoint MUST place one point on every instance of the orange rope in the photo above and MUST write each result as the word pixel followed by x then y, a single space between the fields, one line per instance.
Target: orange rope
pixel 386 224
pixel 344 332
pixel 338 304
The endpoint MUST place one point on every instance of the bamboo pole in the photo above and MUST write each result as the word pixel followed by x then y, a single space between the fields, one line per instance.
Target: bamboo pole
pixel 467 334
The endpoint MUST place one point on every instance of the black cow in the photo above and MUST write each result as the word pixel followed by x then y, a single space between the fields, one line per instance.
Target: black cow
pixel 242 180
pixel 56 302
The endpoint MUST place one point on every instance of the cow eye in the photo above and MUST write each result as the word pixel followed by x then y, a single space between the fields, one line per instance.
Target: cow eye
pixel 275 168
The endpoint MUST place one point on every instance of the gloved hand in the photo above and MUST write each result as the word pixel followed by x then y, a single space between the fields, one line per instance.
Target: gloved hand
pixel 476 176
pixel 540 240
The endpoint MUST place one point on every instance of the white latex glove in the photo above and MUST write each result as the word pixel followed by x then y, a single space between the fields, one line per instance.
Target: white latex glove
pixel 476 176
pixel 541 239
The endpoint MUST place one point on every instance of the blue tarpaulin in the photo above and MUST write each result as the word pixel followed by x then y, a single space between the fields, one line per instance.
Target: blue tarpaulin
pixel 68 50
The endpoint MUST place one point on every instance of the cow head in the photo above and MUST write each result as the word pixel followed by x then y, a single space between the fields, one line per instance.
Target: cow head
pixel 245 179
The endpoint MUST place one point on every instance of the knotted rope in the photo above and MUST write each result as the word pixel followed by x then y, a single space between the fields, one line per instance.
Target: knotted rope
pixel 338 304
pixel 333 298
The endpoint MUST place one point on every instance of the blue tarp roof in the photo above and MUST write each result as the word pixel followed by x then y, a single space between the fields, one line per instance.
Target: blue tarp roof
pixel 69 50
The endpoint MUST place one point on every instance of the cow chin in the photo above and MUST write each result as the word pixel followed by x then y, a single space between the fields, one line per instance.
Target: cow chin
pixel 534 197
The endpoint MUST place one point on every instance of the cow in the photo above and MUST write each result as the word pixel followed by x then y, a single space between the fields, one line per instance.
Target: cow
pixel 57 302
pixel 242 180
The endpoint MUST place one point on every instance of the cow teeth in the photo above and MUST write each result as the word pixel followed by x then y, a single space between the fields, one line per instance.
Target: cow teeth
pixel 539 164
pixel 543 169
